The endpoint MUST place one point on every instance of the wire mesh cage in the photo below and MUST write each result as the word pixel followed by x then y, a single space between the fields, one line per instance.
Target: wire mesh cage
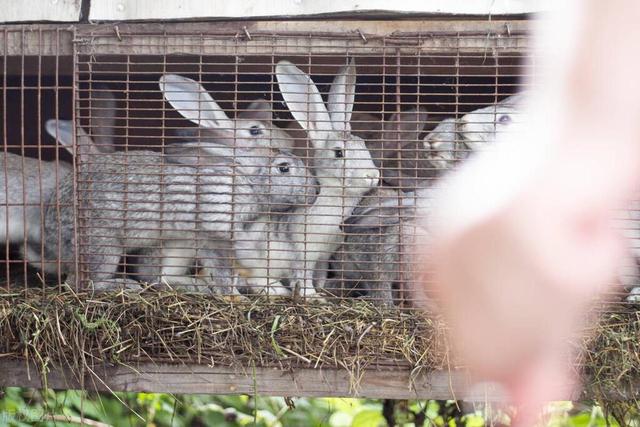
pixel 277 162
pixel 243 161
pixel 36 84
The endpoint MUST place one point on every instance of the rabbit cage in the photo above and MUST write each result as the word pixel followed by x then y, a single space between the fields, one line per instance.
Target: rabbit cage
pixel 205 202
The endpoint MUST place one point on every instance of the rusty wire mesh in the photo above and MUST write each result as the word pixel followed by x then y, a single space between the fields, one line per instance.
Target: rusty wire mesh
pixel 193 169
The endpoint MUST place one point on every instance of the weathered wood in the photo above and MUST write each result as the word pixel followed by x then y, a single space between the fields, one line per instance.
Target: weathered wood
pixel 381 382
pixel 36 40
pixel 267 37
pixel 379 28
pixel 304 37
pixel 118 10
pixel 40 10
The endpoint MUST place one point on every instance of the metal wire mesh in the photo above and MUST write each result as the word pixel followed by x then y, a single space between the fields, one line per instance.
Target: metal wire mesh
pixel 36 85
pixel 215 160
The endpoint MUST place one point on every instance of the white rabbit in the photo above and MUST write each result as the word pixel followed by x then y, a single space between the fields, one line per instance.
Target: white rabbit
pixel 481 126
pixel 453 140
pixel 291 246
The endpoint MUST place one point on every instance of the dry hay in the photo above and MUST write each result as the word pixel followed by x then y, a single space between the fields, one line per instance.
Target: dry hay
pixel 60 328
pixel 610 362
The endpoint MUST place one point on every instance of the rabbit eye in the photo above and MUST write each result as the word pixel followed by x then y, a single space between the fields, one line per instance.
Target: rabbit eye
pixel 255 130
pixel 504 119
pixel 283 167
pixel 339 153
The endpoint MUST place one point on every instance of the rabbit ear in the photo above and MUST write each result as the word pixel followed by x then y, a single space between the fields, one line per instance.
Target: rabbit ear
pixel 103 119
pixel 62 131
pixel 342 96
pixel 193 102
pixel 259 110
pixel 303 100
pixel 408 124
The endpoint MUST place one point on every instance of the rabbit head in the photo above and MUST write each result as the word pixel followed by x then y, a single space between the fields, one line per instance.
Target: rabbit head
pixel 340 159
pixel 444 146
pixel 252 128
pixel 289 183
pixel 279 178
pixel 481 126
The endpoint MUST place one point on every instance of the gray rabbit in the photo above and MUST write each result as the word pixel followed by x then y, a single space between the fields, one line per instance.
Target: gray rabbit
pixel 256 120
pixel 380 236
pixel 26 186
pixel 132 201
pixel 452 141
pixel 290 247
pixel 289 185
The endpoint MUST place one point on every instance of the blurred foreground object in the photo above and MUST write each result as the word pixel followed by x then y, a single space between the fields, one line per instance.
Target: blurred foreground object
pixel 523 234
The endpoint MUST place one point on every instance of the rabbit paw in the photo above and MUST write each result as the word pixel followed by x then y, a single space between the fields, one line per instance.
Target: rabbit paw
pixel 307 293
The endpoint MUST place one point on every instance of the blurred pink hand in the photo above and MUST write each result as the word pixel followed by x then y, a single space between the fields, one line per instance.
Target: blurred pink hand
pixel 524 240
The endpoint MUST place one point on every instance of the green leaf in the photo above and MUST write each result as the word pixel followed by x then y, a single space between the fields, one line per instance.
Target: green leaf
pixel 368 418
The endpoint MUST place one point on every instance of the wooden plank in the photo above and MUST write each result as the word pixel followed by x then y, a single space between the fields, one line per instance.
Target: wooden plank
pixel 121 10
pixel 375 382
pixel 294 37
pixel 40 10
pixel 373 28
pixel 304 37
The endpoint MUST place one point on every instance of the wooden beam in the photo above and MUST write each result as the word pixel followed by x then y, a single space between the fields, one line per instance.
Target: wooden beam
pixel 305 37
pixel 267 37
pixel 375 382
